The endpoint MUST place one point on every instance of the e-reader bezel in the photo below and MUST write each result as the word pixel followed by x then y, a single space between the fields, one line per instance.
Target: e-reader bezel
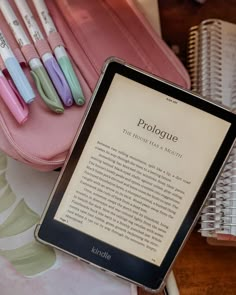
pixel 79 244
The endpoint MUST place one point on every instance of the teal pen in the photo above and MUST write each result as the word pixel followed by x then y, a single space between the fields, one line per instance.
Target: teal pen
pixel 51 65
pixel 60 52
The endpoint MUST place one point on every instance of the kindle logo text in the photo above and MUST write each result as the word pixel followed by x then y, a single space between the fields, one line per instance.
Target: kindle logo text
pixel 104 254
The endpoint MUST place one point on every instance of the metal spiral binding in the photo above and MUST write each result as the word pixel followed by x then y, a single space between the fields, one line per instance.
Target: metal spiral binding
pixel 233 100
pixel 205 68
pixel 193 57
pixel 229 199
pixel 219 213
pixel 209 61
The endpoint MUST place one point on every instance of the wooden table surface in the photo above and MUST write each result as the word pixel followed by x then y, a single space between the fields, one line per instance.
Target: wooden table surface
pixel 200 269
pixel 203 269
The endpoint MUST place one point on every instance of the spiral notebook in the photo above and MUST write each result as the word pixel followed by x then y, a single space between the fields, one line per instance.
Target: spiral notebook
pixel 212 68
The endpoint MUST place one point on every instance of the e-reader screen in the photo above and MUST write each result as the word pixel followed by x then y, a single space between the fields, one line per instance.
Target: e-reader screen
pixel 140 170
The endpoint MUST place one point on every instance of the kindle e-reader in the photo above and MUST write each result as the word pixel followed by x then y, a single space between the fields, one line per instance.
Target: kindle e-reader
pixel 144 160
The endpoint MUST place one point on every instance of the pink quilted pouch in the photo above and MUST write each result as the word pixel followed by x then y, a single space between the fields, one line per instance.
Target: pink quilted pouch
pixel 92 31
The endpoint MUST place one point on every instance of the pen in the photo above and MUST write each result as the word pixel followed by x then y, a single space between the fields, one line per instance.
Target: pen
pixel 171 287
pixel 44 51
pixel 38 72
pixel 15 71
pixel 57 46
pixel 14 102
pixel 165 291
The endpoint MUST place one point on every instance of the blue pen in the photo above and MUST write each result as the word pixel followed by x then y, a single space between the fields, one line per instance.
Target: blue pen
pixel 15 71
pixel 49 61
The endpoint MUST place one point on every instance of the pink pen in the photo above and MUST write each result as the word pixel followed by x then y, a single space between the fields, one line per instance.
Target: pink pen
pixel 13 100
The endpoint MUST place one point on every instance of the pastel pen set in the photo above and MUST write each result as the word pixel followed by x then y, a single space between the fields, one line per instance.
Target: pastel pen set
pixel 55 79
pixel 42 81
pixel 44 51
pixel 59 51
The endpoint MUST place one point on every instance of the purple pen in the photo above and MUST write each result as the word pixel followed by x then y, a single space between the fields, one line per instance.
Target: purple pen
pixel 50 63
pixel 58 79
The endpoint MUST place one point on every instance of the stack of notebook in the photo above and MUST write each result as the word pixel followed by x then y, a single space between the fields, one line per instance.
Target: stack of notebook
pixel 212 68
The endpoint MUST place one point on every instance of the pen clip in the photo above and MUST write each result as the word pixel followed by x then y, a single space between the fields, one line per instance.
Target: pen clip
pixel 72 80
pixel 46 90
pixel 59 81
pixel 13 100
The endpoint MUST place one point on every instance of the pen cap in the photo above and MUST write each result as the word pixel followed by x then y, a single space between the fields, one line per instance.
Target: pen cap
pixel 72 80
pixel 62 57
pixel 46 90
pixel 59 80
pixel 21 82
pixel 14 102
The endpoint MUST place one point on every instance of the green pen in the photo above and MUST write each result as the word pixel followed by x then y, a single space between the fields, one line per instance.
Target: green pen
pixel 39 74
pixel 46 88
pixel 59 51
pixel 66 66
